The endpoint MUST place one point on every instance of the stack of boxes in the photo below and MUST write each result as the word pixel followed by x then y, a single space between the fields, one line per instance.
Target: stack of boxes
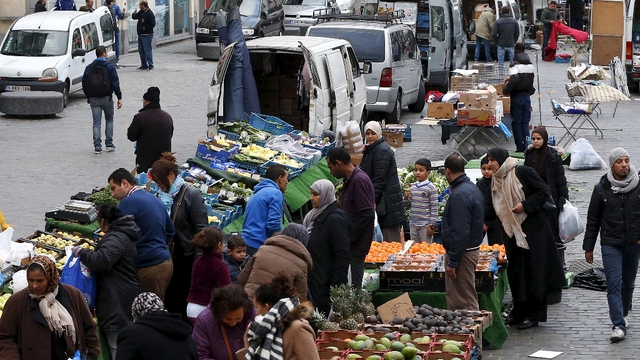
pixel 279 97
pixel 479 108
pixel 506 100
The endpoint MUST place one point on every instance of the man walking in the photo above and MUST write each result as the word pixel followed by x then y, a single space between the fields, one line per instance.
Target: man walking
pixel 65 5
pixel 613 212
pixel 548 16
pixel 484 26
pixel 116 14
pixel 146 23
pixel 357 200
pixel 99 82
pixel 263 214
pixel 462 233
pixel 151 129
pixel 520 87
pixel 505 34
pixel 155 267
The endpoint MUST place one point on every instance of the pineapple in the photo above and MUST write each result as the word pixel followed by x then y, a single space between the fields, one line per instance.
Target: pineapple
pixel 358 317
pixel 317 319
pixel 349 324
pixel 369 310
pixel 330 326
pixel 335 317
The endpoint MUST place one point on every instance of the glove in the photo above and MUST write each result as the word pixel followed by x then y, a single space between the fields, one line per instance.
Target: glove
pixel 561 202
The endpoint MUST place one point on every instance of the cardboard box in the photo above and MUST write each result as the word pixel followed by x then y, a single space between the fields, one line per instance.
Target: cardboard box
pixel 269 103
pixel 289 107
pixel 481 99
pixel 483 66
pixel 356 159
pixel 506 104
pixel 288 88
pixel 440 110
pixel 463 82
pixel 394 138
pixel 499 88
pixel 539 37
pixel 479 117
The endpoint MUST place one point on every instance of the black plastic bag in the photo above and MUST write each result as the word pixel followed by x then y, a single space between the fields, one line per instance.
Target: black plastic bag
pixel 592 279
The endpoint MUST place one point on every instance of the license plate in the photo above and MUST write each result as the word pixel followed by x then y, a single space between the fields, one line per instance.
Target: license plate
pixel 17 88
pixel 202 30
pixel 298 22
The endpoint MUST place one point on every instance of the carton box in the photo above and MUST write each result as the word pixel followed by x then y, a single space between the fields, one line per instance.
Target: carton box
pixel 499 88
pixel 479 117
pixel 440 110
pixel 506 104
pixel 268 84
pixel 463 82
pixel 483 66
pixel 269 103
pixel 539 37
pixel 394 138
pixel 481 99
pixel 289 107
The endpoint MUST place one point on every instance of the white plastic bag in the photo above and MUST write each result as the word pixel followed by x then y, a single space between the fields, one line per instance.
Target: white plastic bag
pixel 377 232
pixel 5 244
pixel 352 138
pixel 569 222
pixel 584 156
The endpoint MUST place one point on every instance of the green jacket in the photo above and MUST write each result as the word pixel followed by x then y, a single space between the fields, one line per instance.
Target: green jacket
pixel 484 24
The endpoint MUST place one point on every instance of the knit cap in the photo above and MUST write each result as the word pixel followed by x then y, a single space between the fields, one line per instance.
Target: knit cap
pixel 616 154
pixel 152 95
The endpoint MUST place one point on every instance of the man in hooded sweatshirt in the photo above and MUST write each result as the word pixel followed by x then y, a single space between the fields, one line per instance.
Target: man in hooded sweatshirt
pixel 505 34
pixel 520 87
pixel 263 214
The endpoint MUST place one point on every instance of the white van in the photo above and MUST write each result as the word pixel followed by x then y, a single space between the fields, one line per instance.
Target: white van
pixel 337 94
pixel 48 51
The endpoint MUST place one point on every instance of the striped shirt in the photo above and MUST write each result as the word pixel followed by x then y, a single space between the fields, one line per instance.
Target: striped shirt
pixel 424 203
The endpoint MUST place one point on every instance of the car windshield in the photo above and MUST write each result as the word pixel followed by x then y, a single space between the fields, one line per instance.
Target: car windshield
pixel 246 7
pixel 306 2
pixel 368 45
pixel 36 43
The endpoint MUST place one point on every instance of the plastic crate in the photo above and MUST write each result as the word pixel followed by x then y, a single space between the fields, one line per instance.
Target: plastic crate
pixel 247 166
pixel 270 124
pixel 203 152
pixel 236 137
pixel 561 59
pixel 293 172
pixel 297 134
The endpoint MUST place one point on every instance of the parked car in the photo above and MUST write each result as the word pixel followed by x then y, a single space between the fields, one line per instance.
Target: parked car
pixel 48 51
pixel 260 18
pixel 396 79
pixel 334 84
pixel 298 14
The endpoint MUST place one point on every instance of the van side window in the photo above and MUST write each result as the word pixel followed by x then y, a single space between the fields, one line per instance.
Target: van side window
pixel 76 42
pixel 437 23
pixel 353 61
pixel 409 49
pixel 106 23
pixel 91 40
pixel 397 46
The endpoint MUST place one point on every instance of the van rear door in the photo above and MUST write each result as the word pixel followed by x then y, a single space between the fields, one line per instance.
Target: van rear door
pixel 339 89
pixel 214 102
pixel 440 34
pixel 320 112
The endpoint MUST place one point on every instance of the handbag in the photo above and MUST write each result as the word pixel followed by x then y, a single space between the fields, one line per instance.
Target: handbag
pixel 226 342
pixel 171 245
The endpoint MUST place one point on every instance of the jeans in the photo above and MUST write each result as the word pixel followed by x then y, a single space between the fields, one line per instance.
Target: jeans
pixel 98 105
pixel 546 32
pixel 117 40
pixel 112 341
pixel 234 108
pixel 502 51
pixel 521 116
pixel 482 42
pixel 144 49
pixel 620 268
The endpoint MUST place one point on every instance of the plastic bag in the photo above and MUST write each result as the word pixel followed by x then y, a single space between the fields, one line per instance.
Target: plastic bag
pixel 78 275
pixel 569 222
pixel 286 144
pixel 377 232
pixel 592 279
pixel 351 138
pixel 584 157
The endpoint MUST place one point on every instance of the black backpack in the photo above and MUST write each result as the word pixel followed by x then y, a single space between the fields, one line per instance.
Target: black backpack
pixel 98 83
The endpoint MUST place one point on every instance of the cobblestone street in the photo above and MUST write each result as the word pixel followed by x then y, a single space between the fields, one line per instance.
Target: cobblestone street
pixel 44 161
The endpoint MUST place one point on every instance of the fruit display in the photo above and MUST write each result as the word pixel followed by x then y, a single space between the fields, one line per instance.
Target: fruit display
pixel 380 251
pixel 61 263
pixel 493 249
pixel 247 133
pixel 350 309
pixel 3 300
pixel 53 241
pixel 258 152
pixel 43 251
pixel 426 248
pixel 287 161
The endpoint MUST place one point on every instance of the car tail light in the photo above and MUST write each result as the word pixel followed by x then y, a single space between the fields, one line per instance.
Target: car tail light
pixel 629 50
pixel 386 78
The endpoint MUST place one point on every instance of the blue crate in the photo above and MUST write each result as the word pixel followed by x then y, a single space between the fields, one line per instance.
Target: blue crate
pixel 203 152
pixel 247 166
pixel 270 124
pixel 423 21
pixel 236 137
pixel 297 134
pixel 293 172
pixel 560 59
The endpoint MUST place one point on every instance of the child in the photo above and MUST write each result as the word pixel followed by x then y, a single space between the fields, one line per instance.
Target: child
pixel 236 256
pixel 209 271
pixel 493 228
pixel 424 204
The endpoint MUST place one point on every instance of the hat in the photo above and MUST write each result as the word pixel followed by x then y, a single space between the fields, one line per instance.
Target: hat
pixel 108 2
pixel 616 154
pixel 375 127
pixel 152 95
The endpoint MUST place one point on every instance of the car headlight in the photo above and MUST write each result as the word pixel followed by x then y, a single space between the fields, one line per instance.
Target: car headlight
pixel 248 32
pixel 50 74
pixel 202 30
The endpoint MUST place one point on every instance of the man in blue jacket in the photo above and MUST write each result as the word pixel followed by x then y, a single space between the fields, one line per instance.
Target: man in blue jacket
pixel 146 23
pixel 116 14
pixel 99 86
pixel 462 233
pixel 263 215
pixel 65 5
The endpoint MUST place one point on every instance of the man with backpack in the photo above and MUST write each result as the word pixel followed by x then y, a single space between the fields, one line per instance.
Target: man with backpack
pixel 99 82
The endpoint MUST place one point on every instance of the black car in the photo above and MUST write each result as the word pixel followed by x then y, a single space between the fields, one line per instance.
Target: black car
pixel 259 18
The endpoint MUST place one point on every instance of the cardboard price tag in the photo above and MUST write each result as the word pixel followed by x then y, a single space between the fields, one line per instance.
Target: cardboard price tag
pixel 400 306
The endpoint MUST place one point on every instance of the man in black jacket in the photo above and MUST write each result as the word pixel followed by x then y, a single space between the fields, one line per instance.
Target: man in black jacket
pixel 548 16
pixel 41 5
pixel 505 34
pixel 146 23
pixel 614 213
pixel 520 87
pixel 462 233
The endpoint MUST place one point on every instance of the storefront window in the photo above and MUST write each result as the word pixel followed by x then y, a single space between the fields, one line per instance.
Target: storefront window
pixel 180 16
pixel 162 19
pixel 133 23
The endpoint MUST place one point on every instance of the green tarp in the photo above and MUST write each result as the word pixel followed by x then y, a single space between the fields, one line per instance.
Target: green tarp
pixel 298 190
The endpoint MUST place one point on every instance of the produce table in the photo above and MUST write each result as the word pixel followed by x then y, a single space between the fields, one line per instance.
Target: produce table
pixel 496 334
pixel 86 230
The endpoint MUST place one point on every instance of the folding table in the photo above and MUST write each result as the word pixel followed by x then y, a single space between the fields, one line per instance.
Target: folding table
pixel 579 118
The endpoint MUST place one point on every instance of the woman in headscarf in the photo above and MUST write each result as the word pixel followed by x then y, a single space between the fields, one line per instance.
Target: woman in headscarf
pixel 379 163
pixel 546 161
pixel 47 320
pixel 155 333
pixel 328 243
pixel 285 252
pixel 535 271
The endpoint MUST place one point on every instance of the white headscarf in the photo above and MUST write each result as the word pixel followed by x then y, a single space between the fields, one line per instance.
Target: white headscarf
pixel 327 196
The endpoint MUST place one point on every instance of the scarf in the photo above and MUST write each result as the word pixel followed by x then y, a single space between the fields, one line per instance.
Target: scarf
pixel 540 156
pixel 145 303
pixel 297 232
pixel 327 196
pixel 168 197
pixel 506 192
pixel 625 185
pixel 57 316
pixel 265 332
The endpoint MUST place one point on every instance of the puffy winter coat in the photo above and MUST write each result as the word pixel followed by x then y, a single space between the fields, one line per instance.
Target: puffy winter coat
pixel 152 129
pixel 521 77
pixel 548 16
pixel 298 339
pixel 615 215
pixel 484 24
pixel 555 178
pixel 278 253
pixel 505 31
pixel 234 267
pixel 190 219
pixel 114 263
pixel 379 163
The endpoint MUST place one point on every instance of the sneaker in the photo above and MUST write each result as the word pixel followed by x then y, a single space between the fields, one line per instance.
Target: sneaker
pixel 117 66
pixel 111 148
pixel 97 151
pixel 626 323
pixel 617 335
pixel 143 68
pixel 150 68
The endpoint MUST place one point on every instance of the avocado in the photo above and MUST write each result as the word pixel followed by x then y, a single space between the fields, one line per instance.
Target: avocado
pixel 397 346
pixel 409 352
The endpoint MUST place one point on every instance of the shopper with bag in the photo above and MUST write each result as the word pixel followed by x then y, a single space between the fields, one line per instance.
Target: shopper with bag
pixel 47 320
pixel 614 212
pixel 328 245
pixel 188 213
pixel 113 263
